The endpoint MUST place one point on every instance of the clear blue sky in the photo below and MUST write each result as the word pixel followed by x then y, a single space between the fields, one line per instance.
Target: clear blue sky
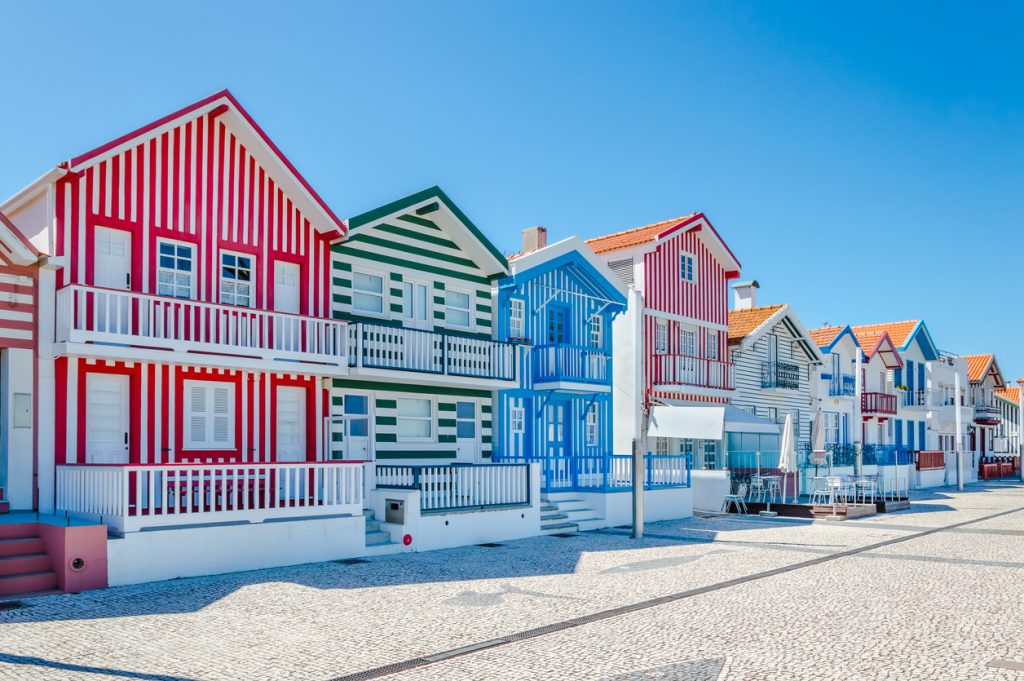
pixel 865 163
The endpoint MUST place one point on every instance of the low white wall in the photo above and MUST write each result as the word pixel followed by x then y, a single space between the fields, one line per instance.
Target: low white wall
pixel 461 528
pixel 16 379
pixel 709 489
pixel 926 479
pixel 191 552
pixel 616 508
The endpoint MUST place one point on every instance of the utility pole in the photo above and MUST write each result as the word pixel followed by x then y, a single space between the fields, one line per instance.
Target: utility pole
pixel 959 437
pixel 1020 427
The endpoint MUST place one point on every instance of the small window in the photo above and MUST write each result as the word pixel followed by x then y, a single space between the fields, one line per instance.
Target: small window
pixel 592 433
pixel 517 318
pixel 596 331
pixel 712 345
pixel 456 308
pixel 517 420
pixel 465 419
pixel 367 293
pixel 661 446
pixel 686 268
pixel 236 278
pixel 209 415
pixel 415 420
pixel 174 269
pixel 661 337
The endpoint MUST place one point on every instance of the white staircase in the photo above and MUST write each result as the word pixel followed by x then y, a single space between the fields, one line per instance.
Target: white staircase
pixel 378 536
pixel 567 512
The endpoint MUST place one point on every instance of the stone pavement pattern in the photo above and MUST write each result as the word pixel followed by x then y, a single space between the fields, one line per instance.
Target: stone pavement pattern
pixel 940 606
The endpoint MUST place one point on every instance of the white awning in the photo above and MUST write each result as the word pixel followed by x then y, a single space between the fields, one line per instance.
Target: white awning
pixel 699 423
pixel 742 421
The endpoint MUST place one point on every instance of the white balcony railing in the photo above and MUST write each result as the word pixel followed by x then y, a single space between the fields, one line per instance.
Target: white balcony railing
pixel 450 488
pixel 130 498
pixel 88 314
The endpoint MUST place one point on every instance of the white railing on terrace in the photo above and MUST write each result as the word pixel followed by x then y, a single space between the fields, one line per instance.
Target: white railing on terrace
pixel 90 314
pixel 389 347
pixel 459 488
pixel 129 498
pixel 701 372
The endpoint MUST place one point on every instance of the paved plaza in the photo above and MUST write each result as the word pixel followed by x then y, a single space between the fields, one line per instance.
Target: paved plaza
pixel 936 592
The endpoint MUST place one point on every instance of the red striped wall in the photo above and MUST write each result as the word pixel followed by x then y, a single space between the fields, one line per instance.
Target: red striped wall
pixel 18 295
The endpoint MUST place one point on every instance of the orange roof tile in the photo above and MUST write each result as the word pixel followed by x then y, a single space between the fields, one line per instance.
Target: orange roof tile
pixel 868 334
pixel 825 335
pixel 633 237
pixel 977 365
pixel 1009 394
pixel 743 322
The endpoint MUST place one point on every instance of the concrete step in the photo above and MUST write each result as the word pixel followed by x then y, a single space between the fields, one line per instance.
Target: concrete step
pixel 25 563
pixel 372 525
pixel 18 531
pixel 558 527
pixel 5 507
pixel 368 512
pixel 378 537
pixel 19 546
pixel 550 517
pixel 549 507
pixel 591 523
pixel 28 582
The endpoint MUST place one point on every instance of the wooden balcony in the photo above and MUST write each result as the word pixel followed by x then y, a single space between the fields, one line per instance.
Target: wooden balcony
pixel 878 404
pixel 430 354
pixel 987 415
pixel 134 497
pixel 698 372
pixel 560 365
pixel 928 460
pixel 139 326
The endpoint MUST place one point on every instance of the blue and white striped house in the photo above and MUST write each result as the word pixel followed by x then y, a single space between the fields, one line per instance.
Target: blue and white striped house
pixel 558 302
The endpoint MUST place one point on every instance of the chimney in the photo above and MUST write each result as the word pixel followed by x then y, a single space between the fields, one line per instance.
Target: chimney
pixel 745 294
pixel 534 239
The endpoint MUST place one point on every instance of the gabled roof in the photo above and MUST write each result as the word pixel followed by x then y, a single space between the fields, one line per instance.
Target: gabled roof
pixel 225 107
pixel 14 246
pixel 980 367
pixel 747 326
pixel 902 334
pixel 651 235
pixel 881 344
pixel 572 252
pixel 826 337
pixel 1011 395
pixel 435 203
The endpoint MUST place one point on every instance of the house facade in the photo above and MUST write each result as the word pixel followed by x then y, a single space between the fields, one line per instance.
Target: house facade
pixel 1008 433
pixel 559 302
pixel 670 344
pixel 837 390
pixel 986 381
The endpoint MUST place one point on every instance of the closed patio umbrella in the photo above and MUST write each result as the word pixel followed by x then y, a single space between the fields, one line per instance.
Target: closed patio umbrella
pixel 787 452
pixel 818 440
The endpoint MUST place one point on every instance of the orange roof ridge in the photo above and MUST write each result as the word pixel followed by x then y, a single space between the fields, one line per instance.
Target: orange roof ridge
pixel 743 322
pixel 634 236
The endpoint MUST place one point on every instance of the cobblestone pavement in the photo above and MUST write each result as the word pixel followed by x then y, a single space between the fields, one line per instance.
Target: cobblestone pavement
pixel 941 605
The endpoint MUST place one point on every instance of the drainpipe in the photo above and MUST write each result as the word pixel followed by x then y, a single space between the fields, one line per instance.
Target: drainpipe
pixel 959 437
pixel 1020 427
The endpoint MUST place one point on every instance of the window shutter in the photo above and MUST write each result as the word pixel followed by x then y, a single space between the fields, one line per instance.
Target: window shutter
pixel 221 416
pixel 197 416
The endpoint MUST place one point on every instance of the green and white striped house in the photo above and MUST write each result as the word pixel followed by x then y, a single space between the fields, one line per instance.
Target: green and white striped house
pixel 413 279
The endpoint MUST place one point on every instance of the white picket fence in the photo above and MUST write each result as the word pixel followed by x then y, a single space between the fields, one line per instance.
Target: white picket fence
pixel 452 488
pixel 129 498
pixel 89 314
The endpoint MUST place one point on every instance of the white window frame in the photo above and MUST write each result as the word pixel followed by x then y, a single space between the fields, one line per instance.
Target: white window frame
pixel 660 337
pixel 383 295
pixel 189 443
pixel 517 420
pixel 595 329
pixel 430 418
pixel 712 344
pixel 468 310
pixel 517 318
pixel 687 267
pixel 222 281
pixel 174 272
pixel 661 446
pixel 592 426
pixel 428 302
pixel 687 342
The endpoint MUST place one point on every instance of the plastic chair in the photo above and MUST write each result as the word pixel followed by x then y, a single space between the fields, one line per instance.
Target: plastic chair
pixel 739 500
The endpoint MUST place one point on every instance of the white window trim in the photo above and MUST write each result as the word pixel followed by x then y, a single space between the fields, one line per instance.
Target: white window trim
pixel 470 296
pixel 517 420
pixel 512 305
pixel 595 331
pixel 693 350
pixel 220 276
pixel 431 418
pixel 193 276
pixel 188 443
pixel 429 302
pixel 592 434
pixel 693 267
pixel 660 337
pixel 385 285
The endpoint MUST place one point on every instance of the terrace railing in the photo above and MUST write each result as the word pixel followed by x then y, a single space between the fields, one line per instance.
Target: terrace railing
pixel 844 385
pixel 133 497
pixel 785 375
pixel 695 371
pixel 915 398
pixel 575 363
pixel 878 403
pixel 610 472
pixel 461 487
pixel 380 346
pixel 886 455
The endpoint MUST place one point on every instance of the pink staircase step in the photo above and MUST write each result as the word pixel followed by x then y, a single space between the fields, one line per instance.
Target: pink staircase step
pixel 18 531
pixel 18 546
pixel 5 507
pixel 25 563
pixel 28 582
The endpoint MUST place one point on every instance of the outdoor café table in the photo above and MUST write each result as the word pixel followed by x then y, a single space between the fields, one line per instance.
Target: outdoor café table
pixel 772 486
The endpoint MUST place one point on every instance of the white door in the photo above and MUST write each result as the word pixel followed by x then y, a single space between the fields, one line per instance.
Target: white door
pixel 415 305
pixel 106 418
pixel 113 262
pixel 467 438
pixel 291 423
pixel 356 437
pixel 286 286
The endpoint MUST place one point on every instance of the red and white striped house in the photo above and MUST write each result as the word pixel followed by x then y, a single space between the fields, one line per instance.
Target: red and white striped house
pixel 670 346
pixel 192 345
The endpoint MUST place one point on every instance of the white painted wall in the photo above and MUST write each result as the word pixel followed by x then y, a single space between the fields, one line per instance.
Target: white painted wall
pixel 709 489
pixel 169 554
pixel 627 374
pixel 16 378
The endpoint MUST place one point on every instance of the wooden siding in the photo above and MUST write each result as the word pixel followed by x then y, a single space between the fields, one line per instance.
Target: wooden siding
pixel 706 299
pixel 18 310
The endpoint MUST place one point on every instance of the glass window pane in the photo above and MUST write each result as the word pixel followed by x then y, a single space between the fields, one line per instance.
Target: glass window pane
pixel 166 262
pixel 465 429
pixel 358 427
pixel 413 407
pixel 367 302
pixel 413 428
pixel 368 282
pixel 184 251
pixel 465 410
pixel 356 404
pixel 457 317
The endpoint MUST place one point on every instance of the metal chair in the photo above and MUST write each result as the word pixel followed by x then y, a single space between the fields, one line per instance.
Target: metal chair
pixel 823 492
pixel 739 500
